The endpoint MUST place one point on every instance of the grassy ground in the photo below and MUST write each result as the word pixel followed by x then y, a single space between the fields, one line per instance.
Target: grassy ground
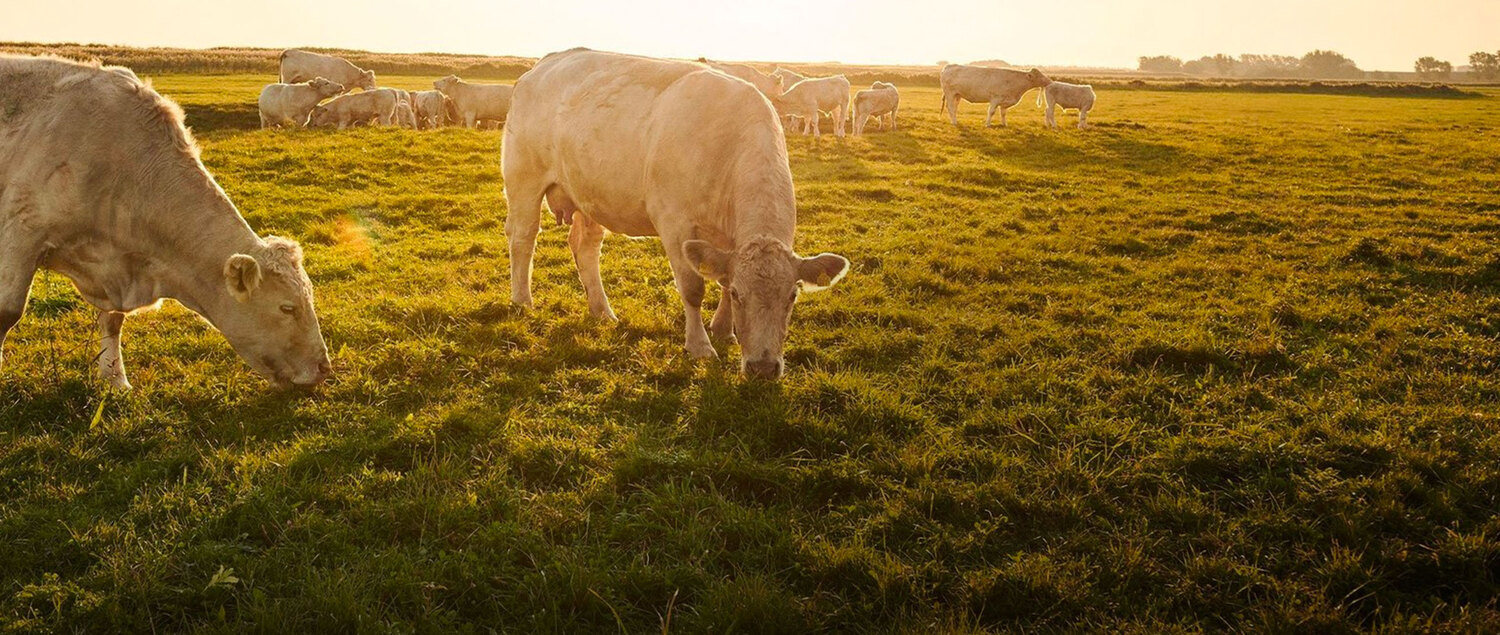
pixel 1221 361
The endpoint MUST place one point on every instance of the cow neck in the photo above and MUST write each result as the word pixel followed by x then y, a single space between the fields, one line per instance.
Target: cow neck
pixel 191 267
pixel 765 204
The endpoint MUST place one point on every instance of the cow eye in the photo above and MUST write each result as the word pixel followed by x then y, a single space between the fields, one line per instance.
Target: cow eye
pixel 288 309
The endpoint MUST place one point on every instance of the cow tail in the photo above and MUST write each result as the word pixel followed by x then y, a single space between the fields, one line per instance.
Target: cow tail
pixel 281 68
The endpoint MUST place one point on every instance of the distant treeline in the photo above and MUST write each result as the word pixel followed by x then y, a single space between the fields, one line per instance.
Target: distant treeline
pixel 1314 65
pixel 1367 89
pixel 229 60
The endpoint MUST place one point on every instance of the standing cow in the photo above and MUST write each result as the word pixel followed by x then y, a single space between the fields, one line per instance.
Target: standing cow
pixel 767 85
pixel 644 147
pixel 877 101
pixel 1065 96
pixel 300 66
pixel 809 97
pixel 476 102
pixel 430 108
pixel 282 104
pixel 101 182
pixel 999 87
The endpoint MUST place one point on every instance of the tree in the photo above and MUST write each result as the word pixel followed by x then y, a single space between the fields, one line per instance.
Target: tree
pixel 1433 68
pixel 1484 66
pixel 1329 64
pixel 1160 64
pixel 1222 65
pixel 1269 65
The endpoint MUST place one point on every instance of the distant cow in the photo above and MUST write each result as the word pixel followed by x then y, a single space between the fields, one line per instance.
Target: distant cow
pixel 643 147
pixel 785 78
pixel 476 102
pixel 766 84
pixel 282 104
pixel 356 108
pixel 101 182
pixel 810 96
pixel 999 87
pixel 300 66
pixel 405 116
pixel 877 101
pixel 1065 96
pixel 429 108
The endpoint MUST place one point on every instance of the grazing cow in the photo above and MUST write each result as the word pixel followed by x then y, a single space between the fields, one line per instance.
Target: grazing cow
pixel 1065 96
pixel 405 117
pixel 878 100
pixel 642 146
pixel 767 85
pixel 785 79
pixel 282 104
pixel 356 108
pixel 102 183
pixel 476 102
pixel 810 96
pixel 300 66
pixel 999 87
pixel 429 108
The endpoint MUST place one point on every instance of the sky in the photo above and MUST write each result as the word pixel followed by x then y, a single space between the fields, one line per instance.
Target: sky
pixel 1377 34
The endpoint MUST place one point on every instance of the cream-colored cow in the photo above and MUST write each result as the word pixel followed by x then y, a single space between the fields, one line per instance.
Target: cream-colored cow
pixel 282 104
pixel 645 147
pixel 476 102
pixel 879 100
pixel 301 66
pixel 810 97
pixel 999 87
pixel 101 182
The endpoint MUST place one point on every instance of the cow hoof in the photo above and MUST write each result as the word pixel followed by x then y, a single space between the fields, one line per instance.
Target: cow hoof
pixel 702 350
pixel 608 315
pixel 118 382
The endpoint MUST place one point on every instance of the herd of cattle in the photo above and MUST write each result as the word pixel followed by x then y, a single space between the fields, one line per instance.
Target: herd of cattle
pixel 101 182
pixel 307 79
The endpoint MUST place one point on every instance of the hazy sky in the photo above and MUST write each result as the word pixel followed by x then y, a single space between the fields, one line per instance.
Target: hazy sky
pixel 1377 34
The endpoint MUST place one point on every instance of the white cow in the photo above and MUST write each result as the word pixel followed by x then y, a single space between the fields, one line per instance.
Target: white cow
pixel 101 182
pixel 356 108
pixel 430 108
pixel 877 101
pixel 300 66
pixel 476 102
pixel 404 116
pixel 1065 96
pixel 809 97
pixel 282 104
pixel 785 78
pixel 644 147
pixel 999 87
pixel 767 85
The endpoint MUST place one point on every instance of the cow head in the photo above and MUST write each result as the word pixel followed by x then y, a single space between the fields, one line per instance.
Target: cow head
pixel 326 88
pixel 1037 78
pixel 446 84
pixel 320 116
pixel 763 278
pixel 366 80
pixel 271 322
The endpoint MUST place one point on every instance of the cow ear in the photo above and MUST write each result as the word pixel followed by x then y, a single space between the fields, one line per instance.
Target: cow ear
pixel 242 276
pixel 710 261
pixel 822 271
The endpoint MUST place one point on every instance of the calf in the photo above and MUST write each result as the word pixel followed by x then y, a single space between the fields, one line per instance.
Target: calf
pixel 878 100
pixel 356 108
pixel 1065 96
pixel 282 104
pixel 429 108
pixel 809 97
pixel 476 102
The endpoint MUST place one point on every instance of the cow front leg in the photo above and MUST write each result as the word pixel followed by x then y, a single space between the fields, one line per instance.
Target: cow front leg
pixel 1051 115
pixel 471 120
pixel 16 271
pixel 1083 118
pixel 690 287
pixel 838 123
pixel 111 360
pixel 1002 116
pixel 587 240
pixel 722 324
pixel 522 221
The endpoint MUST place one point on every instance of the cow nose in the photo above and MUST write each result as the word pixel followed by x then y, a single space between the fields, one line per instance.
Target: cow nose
pixel 764 369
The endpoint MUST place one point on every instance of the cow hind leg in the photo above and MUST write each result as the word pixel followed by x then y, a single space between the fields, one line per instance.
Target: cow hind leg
pixel 1083 118
pixel 111 360
pixel 690 287
pixel 16 273
pixel 587 240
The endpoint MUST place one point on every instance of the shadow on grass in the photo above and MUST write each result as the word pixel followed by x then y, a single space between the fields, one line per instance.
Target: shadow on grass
pixel 214 117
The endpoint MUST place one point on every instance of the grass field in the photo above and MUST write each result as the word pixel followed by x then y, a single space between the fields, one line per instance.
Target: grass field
pixel 1222 361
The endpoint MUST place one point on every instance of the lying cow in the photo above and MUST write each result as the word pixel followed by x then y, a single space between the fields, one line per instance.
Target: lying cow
pixel 643 147
pixel 1065 96
pixel 356 108
pixel 429 108
pixel 999 87
pixel 282 104
pixel 767 85
pixel 102 183
pixel 301 66
pixel 809 97
pixel 476 102
pixel 877 101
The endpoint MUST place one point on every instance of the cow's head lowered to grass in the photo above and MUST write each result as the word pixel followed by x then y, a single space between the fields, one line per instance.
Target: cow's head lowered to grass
pixel 763 277
pixel 271 322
